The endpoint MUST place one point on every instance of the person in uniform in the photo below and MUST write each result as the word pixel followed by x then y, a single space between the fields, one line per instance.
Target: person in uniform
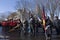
pixel 26 26
pixel 56 24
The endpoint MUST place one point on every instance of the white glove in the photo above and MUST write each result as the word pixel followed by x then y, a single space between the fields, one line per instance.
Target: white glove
pixel 47 27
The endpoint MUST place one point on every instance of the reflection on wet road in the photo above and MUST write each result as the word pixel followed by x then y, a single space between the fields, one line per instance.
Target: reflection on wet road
pixel 8 36
pixel 17 36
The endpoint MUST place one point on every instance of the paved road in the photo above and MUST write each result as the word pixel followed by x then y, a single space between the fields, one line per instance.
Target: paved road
pixel 8 35
pixel 17 36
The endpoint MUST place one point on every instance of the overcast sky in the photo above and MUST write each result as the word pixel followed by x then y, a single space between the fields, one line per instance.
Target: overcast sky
pixel 9 5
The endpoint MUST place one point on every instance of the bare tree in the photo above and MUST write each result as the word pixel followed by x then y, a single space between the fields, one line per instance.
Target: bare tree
pixel 38 10
pixel 53 6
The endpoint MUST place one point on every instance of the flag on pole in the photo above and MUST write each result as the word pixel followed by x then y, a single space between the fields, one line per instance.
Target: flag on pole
pixel 44 22
pixel 43 18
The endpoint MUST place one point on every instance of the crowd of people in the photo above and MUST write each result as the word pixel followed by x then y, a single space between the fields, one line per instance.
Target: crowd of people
pixel 32 25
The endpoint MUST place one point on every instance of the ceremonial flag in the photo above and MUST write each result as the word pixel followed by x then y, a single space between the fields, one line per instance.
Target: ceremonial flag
pixel 44 22
pixel 43 17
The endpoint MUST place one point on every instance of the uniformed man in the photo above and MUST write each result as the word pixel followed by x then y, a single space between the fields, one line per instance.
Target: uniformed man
pixel 57 25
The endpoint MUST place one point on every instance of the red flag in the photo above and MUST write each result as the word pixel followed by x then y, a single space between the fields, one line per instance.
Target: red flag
pixel 43 17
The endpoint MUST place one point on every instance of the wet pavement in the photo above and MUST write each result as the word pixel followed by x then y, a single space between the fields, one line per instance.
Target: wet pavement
pixel 9 35
pixel 20 36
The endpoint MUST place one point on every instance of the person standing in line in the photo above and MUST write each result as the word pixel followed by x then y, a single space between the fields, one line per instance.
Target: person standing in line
pixel 26 26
